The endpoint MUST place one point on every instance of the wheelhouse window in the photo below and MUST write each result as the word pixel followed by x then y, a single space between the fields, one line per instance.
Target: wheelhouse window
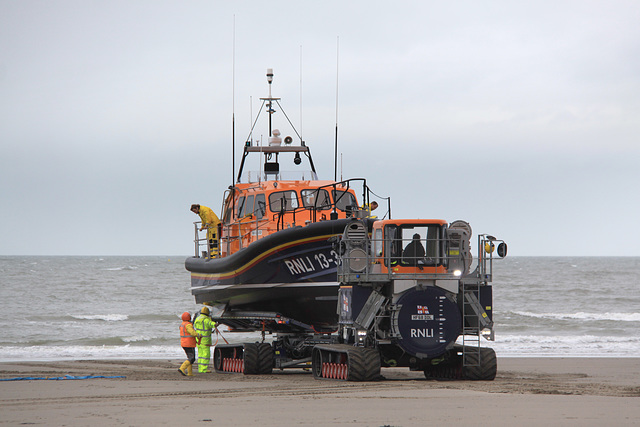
pixel 240 211
pixel 344 200
pixel 414 245
pixel 228 210
pixel 283 201
pixel 316 199
pixel 247 208
pixel 261 206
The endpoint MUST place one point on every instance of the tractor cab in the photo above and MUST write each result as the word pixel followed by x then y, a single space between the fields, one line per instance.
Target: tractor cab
pixel 410 245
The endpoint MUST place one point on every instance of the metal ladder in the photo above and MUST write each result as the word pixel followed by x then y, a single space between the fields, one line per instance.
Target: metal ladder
pixel 471 324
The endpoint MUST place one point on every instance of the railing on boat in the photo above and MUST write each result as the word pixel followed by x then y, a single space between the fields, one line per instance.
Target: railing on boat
pixel 342 188
pixel 203 241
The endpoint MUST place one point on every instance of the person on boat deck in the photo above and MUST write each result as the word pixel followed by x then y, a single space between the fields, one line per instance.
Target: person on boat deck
pixel 204 327
pixel 414 251
pixel 371 207
pixel 188 342
pixel 210 221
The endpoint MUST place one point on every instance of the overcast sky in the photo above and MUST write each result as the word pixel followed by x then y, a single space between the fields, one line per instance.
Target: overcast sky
pixel 523 119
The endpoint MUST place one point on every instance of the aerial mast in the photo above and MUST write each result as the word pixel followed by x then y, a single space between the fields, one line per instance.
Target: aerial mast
pixel 270 99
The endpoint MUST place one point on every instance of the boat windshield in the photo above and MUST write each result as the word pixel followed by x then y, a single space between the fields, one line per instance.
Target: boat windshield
pixel 344 200
pixel 316 198
pixel 283 201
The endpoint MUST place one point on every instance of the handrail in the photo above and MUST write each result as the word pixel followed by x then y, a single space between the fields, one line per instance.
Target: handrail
pixel 228 239
pixel 283 214
pixel 197 240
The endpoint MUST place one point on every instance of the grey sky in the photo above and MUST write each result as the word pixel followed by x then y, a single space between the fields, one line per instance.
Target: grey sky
pixel 524 120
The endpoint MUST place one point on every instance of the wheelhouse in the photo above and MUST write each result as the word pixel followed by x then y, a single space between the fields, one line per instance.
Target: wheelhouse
pixel 255 210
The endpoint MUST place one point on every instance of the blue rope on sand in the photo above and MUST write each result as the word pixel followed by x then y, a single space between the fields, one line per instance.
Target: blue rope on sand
pixel 66 377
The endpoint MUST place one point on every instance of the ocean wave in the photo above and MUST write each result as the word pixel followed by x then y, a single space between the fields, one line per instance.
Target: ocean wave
pixel 137 339
pixel 618 317
pixel 574 345
pixel 128 268
pixel 156 317
pixel 105 317
pixel 84 352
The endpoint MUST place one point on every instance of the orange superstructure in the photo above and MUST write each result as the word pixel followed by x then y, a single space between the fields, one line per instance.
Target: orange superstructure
pixel 253 211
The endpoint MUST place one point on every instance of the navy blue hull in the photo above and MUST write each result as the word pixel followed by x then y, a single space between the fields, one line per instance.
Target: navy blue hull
pixel 292 272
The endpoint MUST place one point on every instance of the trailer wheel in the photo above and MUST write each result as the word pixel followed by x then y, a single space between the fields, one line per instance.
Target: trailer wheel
pixel 265 359
pixel 316 363
pixel 217 359
pixel 486 369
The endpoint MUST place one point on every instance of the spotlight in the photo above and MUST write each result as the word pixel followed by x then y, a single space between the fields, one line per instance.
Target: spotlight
pixel 297 160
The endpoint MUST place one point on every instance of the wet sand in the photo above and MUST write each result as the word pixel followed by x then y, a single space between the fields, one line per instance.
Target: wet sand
pixel 526 392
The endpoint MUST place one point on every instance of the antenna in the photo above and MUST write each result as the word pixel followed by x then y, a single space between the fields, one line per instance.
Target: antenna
pixel 301 94
pixel 270 80
pixel 335 175
pixel 233 103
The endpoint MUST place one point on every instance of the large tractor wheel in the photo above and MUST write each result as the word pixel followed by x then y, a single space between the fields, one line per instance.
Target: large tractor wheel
pixel 265 359
pixel 364 364
pixel 251 359
pixel 484 369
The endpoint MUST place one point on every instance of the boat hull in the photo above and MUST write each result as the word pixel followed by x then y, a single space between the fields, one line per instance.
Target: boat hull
pixel 292 272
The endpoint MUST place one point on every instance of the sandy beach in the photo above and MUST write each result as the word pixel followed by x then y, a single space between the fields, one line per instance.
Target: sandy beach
pixel 527 391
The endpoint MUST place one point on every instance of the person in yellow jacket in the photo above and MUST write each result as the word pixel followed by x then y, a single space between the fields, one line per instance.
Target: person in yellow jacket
pixel 188 342
pixel 370 208
pixel 204 327
pixel 210 222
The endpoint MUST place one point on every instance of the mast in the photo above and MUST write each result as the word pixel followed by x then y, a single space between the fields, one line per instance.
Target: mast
pixel 335 159
pixel 270 99
pixel 233 104
pixel 275 149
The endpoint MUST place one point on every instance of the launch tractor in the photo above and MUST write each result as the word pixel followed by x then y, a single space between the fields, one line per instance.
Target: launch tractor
pixel 407 297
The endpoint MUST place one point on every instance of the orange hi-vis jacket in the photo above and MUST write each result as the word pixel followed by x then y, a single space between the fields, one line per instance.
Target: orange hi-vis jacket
pixel 187 334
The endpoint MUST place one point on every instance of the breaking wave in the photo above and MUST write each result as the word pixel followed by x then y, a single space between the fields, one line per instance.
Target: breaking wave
pixel 617 317
pixel 105 317
pixel 574 346
pixel 130 267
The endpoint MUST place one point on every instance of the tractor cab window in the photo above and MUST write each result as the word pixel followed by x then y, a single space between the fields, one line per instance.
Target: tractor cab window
pixel 377 242
pixel 414 244
pixel 344 200
pixel 283 201
pixel 316 199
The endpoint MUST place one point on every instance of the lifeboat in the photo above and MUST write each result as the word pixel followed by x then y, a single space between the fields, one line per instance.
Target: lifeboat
pixel 276 241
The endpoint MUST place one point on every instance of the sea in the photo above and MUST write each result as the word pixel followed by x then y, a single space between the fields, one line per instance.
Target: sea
pixel 129 307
